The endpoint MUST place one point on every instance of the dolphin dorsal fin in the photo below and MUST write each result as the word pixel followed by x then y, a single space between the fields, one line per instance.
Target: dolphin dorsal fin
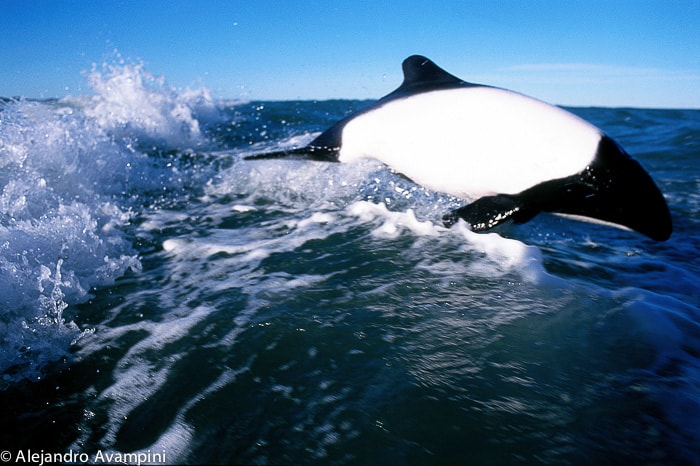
pixel 421 74
pixel 419 70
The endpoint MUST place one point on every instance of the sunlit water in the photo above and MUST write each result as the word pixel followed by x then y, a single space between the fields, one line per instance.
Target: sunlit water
pixel 160 294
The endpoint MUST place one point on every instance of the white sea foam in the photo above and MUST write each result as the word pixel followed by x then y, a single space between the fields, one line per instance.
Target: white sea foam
pixel 130 102
pixel 60 226
pixel 71 179
pixel 393 222
pixel 491 255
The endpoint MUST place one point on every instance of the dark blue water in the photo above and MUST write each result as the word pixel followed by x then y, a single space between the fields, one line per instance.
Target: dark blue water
pixel 159 295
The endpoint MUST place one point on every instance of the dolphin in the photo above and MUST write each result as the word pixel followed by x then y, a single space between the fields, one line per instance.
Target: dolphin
pixel 513 155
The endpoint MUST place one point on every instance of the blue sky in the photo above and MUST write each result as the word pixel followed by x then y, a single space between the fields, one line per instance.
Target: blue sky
pixel 611 53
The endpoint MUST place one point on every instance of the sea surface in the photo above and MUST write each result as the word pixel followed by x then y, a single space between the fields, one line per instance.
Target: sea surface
pixel 161 296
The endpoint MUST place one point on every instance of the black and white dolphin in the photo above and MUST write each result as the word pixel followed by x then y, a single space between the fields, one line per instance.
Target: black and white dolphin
pixel 515 155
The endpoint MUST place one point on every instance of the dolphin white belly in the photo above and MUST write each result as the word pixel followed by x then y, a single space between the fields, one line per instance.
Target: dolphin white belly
pixel 473 141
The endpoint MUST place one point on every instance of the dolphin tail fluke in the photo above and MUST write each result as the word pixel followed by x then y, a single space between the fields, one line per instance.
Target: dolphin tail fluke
pixel 321 154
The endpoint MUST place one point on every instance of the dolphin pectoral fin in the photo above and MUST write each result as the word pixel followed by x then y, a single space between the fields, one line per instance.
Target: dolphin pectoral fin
pixel 487 212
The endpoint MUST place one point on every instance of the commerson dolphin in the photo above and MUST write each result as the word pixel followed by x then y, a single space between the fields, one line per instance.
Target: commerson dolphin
pixel 515 156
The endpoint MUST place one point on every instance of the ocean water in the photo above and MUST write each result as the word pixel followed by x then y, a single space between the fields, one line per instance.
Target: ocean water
pixel 159 295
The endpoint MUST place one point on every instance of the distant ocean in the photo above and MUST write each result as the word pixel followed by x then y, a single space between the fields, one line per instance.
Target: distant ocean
pixel 161 297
